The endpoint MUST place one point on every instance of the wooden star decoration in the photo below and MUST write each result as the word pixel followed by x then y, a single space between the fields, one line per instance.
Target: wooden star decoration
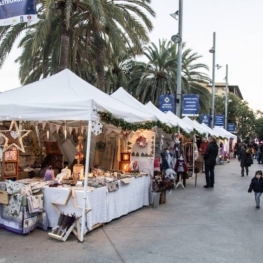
pixel 13 137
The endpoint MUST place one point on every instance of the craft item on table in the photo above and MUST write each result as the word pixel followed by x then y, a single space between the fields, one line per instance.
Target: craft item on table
pixel 13 137
pixel 12 210
pixel 112 186
pixel 49 174
pixel 126 180
pixel 26 190
pixel 35 203
pixel 37 186
pixel 134 166
pixel 3 186
pixel 13 187
pixel 142 141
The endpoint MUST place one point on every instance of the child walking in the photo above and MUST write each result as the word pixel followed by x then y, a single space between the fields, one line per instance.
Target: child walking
pixel 257 186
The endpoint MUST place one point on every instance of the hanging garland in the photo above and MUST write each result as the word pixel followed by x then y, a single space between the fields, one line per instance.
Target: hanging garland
pixel 108 118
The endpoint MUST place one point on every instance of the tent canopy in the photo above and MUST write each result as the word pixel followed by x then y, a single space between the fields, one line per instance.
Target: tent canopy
pixel 185 126
pixel 226 133
pixel 63 96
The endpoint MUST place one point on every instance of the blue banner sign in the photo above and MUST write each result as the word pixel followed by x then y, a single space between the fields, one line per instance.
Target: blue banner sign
pixel 190 105
pixel 219 120
pixel 17 11
pixel 206 119
pixel 231 127
pixel 166 103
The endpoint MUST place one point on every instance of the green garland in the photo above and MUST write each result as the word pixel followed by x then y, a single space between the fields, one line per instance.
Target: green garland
pixel 108 118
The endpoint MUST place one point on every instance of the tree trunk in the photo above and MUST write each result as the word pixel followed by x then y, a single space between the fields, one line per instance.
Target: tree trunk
pixel 100 70
pixel 64 51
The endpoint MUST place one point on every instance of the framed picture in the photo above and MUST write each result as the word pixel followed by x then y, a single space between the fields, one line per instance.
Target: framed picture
pixel 10 169
pixel 52 147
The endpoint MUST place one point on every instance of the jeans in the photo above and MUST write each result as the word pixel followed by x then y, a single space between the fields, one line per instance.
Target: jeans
pixel 257 198
pixel 210 174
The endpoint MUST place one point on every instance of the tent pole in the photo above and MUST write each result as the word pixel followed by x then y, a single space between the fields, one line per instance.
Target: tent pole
pixel 85 182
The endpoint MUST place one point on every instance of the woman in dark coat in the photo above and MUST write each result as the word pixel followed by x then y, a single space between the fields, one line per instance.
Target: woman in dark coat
pixel 257 186
pixel 243 156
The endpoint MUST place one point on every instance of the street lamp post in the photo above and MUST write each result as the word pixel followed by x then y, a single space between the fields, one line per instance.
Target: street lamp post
pixel 213 51
pixel 178 39
pixel 226 98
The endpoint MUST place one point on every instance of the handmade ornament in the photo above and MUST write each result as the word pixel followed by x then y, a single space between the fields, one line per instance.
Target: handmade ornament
pixel 13 137
pixel 142 141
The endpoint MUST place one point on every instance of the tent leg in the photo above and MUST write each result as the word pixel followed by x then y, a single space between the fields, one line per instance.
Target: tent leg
pixel 83 219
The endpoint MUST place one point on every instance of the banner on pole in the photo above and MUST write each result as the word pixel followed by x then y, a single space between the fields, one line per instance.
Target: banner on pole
pixel 17 11
pixel 206 119
pixel 166 103
pixel 231 127
pixel 190 105
pixel 219 120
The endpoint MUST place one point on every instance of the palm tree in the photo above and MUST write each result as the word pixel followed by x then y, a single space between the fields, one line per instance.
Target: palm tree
pixel 78 35
pixel 159 74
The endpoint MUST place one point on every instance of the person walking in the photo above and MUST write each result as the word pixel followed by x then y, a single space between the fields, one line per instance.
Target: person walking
pixel 210 161
pixel 257 186
pixel 244 155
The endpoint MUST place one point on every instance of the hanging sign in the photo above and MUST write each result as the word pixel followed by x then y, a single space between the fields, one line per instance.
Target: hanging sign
pixel 231 127
pixel 17 11
pixel 166 103
pixel 206 119
pixel 219 120
pixel 190 105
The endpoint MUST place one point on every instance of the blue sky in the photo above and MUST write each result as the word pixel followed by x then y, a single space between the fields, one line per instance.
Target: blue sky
pixel 239 40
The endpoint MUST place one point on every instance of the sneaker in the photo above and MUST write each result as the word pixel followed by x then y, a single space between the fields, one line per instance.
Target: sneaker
pixel 206 186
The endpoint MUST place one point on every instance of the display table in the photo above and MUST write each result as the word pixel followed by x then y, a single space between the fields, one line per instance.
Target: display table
pixel 105 206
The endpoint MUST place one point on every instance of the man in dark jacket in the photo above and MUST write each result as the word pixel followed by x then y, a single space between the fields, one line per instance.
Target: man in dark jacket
pixel 210 161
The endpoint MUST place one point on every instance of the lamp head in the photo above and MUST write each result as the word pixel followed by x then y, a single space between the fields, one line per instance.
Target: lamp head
pixel 212 50
pixel 176 38
pixel 175 15
pixel 218 66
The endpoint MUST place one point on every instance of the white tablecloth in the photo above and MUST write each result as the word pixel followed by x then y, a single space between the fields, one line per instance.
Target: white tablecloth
pixel 105 206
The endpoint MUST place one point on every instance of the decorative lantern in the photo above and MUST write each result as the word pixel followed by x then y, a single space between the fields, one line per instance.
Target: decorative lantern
pixel 124 166
pixel 126 156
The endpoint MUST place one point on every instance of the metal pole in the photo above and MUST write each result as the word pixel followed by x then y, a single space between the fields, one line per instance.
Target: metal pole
pixel 226 98
pixel 213 82
pixel 83 219
pixel 179 62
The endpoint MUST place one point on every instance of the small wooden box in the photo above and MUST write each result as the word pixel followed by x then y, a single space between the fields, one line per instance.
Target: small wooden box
pixel 4 197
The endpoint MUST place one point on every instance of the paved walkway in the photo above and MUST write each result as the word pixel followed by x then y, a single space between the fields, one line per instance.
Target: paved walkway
pixel 218 224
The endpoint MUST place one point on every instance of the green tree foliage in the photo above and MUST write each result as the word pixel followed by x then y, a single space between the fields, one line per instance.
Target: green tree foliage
pixel 158 75
pixel 79 35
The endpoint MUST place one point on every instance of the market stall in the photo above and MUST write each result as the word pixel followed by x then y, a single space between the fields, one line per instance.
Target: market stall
pixel 66 97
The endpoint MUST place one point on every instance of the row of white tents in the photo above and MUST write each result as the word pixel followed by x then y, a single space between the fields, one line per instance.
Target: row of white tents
pixel 66 97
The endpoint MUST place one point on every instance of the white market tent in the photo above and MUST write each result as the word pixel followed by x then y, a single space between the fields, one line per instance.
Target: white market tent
pixel 195 125
pixel 184 125
pixel 65 96
pixel 123 96
pixel 172 120
pixel 208 129
pixel 225 132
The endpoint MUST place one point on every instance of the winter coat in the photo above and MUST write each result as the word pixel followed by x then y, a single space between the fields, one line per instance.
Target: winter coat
pixel 243 156
pixel 211 153
pixel 256 185
pixel 182 164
